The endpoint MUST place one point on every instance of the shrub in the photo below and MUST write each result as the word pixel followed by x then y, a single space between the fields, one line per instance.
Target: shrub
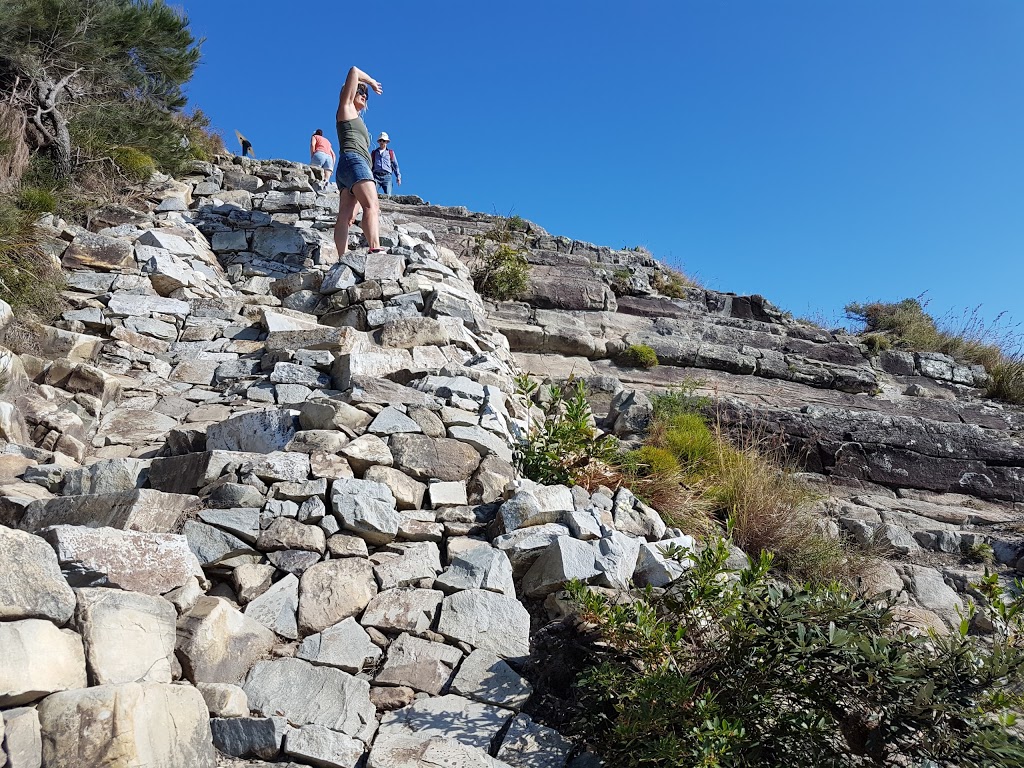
pixel 499 268
pixel 979 552
pixel 559 449
pixel 1006 381
pixel 877 342
pixel 672 283
pixel 639 356
pixel 133 163
pixel 733 669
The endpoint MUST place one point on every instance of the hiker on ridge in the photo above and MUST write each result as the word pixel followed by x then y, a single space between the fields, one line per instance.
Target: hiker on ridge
pixel 385 164
pixel 246 146
pixel 321 154
pixel 355 179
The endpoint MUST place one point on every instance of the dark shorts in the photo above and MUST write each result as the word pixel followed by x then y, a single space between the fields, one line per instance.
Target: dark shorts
pixel 352 168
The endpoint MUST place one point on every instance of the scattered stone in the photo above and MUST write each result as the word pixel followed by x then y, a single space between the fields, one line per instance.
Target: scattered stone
pixel 485 677
pixel 31 584
pixel 260 737
pixel 453 717
pixel 345 645
pixel 38 659
pixel 419 664
pixel 217 643
pixel 405 609
pixel 487 620
pixel 224 700
pixel 332 591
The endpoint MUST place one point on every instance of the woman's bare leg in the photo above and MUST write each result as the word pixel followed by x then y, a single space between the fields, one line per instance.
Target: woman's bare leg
pixel 366 193
pixel 346 215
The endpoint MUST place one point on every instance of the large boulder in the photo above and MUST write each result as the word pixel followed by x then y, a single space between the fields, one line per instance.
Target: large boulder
pixel 428 458
pixel 154 563
pixel 31 584
pixel 218 644
pixel 308 694
pixel 129 637
pixel 137 510
pixel 135 725
pixel 332 591
pixel 38 659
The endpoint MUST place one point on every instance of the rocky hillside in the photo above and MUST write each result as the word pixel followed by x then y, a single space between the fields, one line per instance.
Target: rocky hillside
pixel 258 500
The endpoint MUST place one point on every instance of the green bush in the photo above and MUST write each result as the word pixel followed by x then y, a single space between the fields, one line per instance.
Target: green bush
pixel 877 342
pixel 727 669
pixel 560 448
pixel 649 460
pixel 639 356
pixel 502 273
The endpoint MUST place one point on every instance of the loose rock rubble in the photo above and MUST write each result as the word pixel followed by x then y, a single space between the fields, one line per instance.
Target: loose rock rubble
pixel 258 499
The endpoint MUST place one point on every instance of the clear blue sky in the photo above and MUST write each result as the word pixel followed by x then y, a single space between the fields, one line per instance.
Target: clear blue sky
pixel 814 151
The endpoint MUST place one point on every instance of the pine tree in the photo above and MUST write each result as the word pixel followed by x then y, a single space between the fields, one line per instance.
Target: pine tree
pixel 98 78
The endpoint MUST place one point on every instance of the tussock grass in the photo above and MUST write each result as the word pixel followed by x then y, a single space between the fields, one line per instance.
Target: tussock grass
pixel 906 324
pixel 672 283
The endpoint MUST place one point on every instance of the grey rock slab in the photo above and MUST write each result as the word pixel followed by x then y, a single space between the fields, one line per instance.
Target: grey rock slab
pixel 255 432
pixel 367 451
pixel 31 584
pixel 344 645
pixel 109 476
pixel 469 722
pixel 451 494
pixel 135 724
pixel 401 565
pixel 405 609
pixel 38 659
pixel 365 508
pixel 332 591
pixel 616 559
pixel 242 522
pixel 224 699
pixel 276 608
pixel 308 694
pixel 195 471
pixel 134 305
pixel 323 413
pixel 485 677
pixel 479 568
pixel 564 560
pixel 419 664
pixel 322 747
pixel 211 545
pixel 524 545
pixel 426 458
pixel 523 510
pixel 217 643
pixel 132 427
pixel 931 591
pixel 487 620
pixel 153 563
pixel 408 493
pixel 260 737
pixel 285 533
pixel 487 443
pixel 416 751
pixel 290 373
pixel 139 510
pixel 654 569
pixel 129 637
pixel 391 421
pixel 22 738
pixel 529 745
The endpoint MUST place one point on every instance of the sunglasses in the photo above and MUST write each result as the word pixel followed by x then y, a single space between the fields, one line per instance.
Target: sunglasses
pixel 361 92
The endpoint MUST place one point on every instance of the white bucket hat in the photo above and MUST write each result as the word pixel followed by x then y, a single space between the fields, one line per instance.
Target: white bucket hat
pixel 384 136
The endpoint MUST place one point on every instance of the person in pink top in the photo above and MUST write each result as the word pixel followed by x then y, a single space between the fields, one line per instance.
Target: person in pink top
pixel 321 154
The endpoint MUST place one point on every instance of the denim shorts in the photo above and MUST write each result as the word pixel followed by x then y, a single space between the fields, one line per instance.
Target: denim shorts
pixel 322 160
pixel 352 168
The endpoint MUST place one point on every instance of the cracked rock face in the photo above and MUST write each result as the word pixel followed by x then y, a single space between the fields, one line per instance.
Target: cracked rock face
pixel 259 498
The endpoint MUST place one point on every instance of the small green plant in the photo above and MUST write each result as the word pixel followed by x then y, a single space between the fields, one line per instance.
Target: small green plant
pixel 979 552
pixel 559 449
pixel 732 669
pixel 639 356
pixel 29 281
pixel 517 224
pixel 620 280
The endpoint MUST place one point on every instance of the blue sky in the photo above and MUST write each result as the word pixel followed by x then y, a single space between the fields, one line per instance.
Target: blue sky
pixel 814 151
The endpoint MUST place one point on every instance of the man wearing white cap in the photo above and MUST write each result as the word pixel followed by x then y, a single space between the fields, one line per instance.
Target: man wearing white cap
pixel 384 165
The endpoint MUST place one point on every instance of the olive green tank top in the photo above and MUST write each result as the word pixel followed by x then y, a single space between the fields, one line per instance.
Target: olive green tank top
pixel 353 137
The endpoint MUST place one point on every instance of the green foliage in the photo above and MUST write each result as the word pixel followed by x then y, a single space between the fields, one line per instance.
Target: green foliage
pixel 734 670
pixel 679 400
pixel 500 269
pixel 979 552
pixel 639 356
pixel 96 76
pixel 517 224
pixel 620 279
pixel 649 460
pixel 561 447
